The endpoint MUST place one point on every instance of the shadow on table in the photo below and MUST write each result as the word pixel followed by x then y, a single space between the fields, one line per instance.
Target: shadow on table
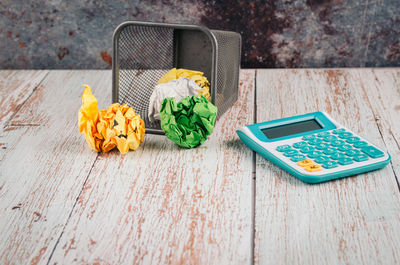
pixel 265 168
pixel 235 145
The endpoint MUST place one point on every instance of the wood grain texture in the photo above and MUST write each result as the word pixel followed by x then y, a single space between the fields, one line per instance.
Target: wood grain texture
pixel 60 203
pixel 354 220
pixel 382 88
pixel 166 205
pixel 45 166
pixel 15 88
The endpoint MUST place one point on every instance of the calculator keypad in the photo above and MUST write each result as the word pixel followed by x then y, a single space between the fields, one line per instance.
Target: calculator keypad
pixel 322 146
pixel 372 151
pixel 345 135
pixel 329 138
pixel 360 158
pixel 329 164
pixel 300 144
pixel 345 147
pixel 307 149
pixel 313 168
pixel 291 152
pixel 345 161
pixel 330 149
pixel 315 141
pixel 360 144
pixel 305 163
pixel 322 159
pixel 309 137
pixel 338 131
pixel 297 158
pixel 337 143
pixel 352 140
pixel 314 154
pixel 338 156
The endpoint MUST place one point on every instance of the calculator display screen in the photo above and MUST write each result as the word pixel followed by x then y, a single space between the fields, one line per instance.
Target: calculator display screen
pixel 293 128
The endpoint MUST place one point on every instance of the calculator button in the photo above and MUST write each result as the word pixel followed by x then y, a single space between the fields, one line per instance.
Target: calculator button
pixel 337 131
pixel 297 158
pixel 314 154
pixel 337 143
pixel 353 152
pixel 330 151
pixel 338 156
pixel 309 137
pixel 345 147
pixel 329 138
pixel 360 144
pixel 322 159
pixel 315 141
pixel 313 168
pixel 322 146
pixel 283 148
pixel 323 134
pixel 345 135
pixel 329 164
pixel 345 161
pixel 372 151
pixel 305 163
pixel 300 144
pixel 352 140
pixel 307 149
pixel 291 152
pixel 360 158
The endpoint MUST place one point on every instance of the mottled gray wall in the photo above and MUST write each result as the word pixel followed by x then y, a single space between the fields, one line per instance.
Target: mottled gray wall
pixel 283 33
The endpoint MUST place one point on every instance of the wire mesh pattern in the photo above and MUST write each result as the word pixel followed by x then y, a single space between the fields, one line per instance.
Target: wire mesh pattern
pixel 144 52
pixel 227 69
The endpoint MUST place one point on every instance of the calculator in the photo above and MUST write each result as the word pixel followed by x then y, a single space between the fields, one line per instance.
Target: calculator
pixel 313 147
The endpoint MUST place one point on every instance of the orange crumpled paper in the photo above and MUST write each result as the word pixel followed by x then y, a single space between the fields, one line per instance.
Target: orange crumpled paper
pixel 118 126
pixel 197 76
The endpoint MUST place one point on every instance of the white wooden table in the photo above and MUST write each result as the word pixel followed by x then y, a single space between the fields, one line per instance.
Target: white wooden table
pixel 62 203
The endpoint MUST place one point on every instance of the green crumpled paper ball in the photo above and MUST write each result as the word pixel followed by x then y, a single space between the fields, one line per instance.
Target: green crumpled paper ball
pixel 188 122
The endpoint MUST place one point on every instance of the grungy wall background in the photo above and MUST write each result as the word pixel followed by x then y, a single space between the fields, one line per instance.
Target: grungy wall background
pixel 282 33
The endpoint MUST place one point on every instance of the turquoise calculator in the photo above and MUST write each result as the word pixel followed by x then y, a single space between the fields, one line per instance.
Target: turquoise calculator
pixel 313 147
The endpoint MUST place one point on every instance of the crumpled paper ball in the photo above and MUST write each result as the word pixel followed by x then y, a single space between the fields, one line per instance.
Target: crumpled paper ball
pixel 176 88
pixel 188 122
pixel 118 126
pixel 197 76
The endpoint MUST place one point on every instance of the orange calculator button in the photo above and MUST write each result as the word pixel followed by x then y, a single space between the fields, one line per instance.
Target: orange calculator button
pixel 313 168
pixel 305 163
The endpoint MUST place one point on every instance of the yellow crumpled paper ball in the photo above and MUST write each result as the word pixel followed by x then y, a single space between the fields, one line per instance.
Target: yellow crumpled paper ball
pixel 118 126
pixel 197 76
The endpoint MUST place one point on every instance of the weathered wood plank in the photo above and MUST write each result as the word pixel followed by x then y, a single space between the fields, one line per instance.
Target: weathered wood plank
pixel 350 221
pixel 382 88
pixel 164 212
pixel 164 204
pixel 15 89
pixel 45 166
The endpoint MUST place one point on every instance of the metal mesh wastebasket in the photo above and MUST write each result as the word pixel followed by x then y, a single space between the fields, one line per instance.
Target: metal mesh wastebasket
pixel 143 52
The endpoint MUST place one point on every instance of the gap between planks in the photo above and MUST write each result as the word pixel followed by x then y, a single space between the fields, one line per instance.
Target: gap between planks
pixel 64 231
pixel 376 119
pixel 72 210
pixel 384 142
pixel 254 175
pixel 346 226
